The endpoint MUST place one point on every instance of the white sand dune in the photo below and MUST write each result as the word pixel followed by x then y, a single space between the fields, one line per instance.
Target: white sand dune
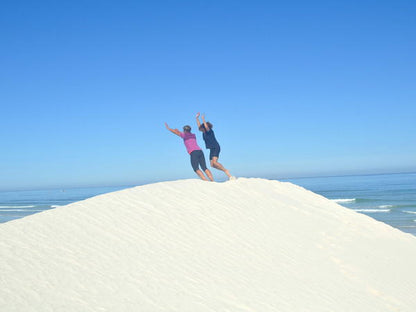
pixel 193 246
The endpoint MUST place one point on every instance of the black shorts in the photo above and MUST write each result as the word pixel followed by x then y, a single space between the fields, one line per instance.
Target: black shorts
pixel 198 159
pixel 214 152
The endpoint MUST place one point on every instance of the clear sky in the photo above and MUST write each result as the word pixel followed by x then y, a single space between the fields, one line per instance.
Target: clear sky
pixel 293 88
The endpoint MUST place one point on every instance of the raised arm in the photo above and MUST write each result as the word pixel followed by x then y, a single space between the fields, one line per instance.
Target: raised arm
pixel 175 131
pixel 197 120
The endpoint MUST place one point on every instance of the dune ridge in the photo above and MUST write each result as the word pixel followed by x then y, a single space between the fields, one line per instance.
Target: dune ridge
pixel 189 245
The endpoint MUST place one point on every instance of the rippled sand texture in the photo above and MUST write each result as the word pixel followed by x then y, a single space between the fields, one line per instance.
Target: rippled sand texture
pixel 189 245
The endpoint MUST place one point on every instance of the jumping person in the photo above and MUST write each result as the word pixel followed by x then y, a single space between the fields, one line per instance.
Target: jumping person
pixel 212 144
pixel 197 156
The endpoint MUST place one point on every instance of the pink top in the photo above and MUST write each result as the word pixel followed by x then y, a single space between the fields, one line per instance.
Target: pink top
pixel 190 141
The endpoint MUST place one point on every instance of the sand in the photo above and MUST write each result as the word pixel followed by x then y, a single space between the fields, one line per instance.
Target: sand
pixel 193 246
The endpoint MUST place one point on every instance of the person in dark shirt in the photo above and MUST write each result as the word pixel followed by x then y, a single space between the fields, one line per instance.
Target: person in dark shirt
pixel 212 144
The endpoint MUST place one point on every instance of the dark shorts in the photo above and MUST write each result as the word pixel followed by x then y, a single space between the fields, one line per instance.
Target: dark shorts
pixel 198 159
pixel 214 152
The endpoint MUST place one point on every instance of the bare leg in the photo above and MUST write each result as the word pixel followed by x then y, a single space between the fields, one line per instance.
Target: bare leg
pixel 215 164
pixel 201 175
pixel 209 174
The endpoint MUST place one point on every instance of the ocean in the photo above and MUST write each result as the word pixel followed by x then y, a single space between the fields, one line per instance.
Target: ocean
pixel 389 198
pixel 19 204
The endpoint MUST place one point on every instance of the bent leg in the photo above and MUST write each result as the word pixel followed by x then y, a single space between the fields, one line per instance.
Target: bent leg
pixel 215 164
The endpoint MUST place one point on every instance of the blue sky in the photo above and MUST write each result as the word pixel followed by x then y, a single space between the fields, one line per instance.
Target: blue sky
pixel 297 88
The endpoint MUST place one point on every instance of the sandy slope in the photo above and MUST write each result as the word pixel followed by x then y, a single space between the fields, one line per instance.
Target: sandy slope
pixel 194 246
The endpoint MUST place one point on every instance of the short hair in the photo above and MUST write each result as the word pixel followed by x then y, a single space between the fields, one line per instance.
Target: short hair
pixel 187 128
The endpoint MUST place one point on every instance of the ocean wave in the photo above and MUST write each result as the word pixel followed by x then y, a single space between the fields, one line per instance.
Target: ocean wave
pixel 366 200
pixel 406 206
pixel 372 210
pixel 344 200
pixel 20 210
pixel 386 206
pixel 55 206
pixel 12 206
pixel 406 211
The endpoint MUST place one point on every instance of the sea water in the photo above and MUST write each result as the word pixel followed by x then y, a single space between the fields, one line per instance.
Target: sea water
pixel 18 204
pixel 390 198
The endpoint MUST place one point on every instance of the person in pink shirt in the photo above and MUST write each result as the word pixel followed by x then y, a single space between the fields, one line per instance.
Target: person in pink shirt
pixel 197 156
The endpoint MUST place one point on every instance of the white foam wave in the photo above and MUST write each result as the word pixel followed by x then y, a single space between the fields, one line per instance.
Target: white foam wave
pixel 372 210
pixel 55 206
pixel 413 212
pixel 25 210
pixel 344 200
pixel 12 206
pixel 386 206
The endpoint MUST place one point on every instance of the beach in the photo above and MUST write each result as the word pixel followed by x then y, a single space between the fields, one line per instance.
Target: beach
pixel 190 245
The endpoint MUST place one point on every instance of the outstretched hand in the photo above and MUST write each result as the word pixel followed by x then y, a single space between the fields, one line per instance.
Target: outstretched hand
pixel 166 125
pixel 197 115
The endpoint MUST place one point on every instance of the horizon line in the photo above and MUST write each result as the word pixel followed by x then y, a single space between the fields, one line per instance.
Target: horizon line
pixel 150 182
pixel 351 175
